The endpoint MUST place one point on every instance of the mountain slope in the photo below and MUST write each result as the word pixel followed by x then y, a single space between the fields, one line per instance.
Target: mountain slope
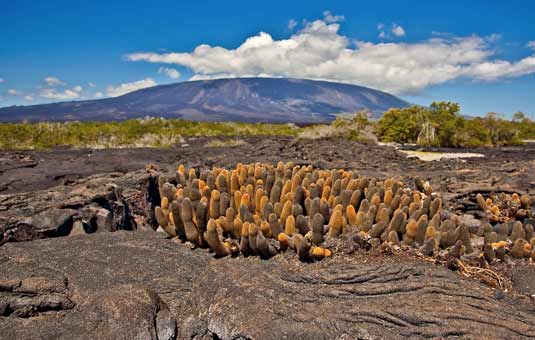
pixel 237 99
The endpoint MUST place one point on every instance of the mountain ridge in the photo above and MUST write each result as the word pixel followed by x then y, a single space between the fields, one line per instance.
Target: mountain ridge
pixel 274 100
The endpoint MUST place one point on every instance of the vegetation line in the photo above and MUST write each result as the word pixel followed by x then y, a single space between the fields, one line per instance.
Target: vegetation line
pixel 438 125
pixel 442 125
pixel 148 132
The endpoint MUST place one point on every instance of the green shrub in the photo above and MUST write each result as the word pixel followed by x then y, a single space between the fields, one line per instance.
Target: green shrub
pixel 442 125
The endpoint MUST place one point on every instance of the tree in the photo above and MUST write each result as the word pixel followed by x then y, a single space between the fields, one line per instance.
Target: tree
pixel 518 117
pixel 441 124
pixel 446 120
pixel 491 122
pixel 501 131
pixel 401 125
pixel 433 126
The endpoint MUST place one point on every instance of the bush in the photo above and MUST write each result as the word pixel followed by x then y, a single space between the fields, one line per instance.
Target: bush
pixel 400 125
pixel 524 125
pixel 442 125
pixel 356 127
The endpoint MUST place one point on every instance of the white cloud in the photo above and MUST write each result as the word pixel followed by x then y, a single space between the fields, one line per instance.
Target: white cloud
pixel 292 24
pixel 14 92
pixel 1 80
pixel 129 87
pixel 170 72
pixel 91 84
pixel 395 31
pixel 53 81
pixel 531 44
pixel 319 51
pixel 99 95
pixel 328 17
pixel 54 94
pixel 398 31
pixel 28 98
pixel 77 88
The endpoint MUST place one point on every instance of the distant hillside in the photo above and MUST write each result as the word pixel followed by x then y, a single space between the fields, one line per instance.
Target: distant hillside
pixel 277 100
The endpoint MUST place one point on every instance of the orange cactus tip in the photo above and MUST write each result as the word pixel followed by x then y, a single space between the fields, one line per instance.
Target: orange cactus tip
pixel 500 244
pixel 327 252
pixel 412 228
pixel 215 195
pixel 165 203
pixel 318 252
pixel 282 237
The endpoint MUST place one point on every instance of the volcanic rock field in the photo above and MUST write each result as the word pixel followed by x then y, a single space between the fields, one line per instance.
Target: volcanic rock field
pixel 91 246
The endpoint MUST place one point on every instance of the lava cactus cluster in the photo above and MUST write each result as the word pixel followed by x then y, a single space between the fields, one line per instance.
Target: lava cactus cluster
pixel 262 210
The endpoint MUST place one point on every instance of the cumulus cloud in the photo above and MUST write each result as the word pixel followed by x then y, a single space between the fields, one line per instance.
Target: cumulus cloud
pixel 395 31
pixel 14 92
pixel 320 51
pixel 129 87
pixel 531 44
pixel 170 72
pixel 99 95
pixel 398 31
pixel 53 81
pixel 328 17
pixel 28 98
pixel 55 94
pixel 91 84
pixel 77 88
pixel 292 24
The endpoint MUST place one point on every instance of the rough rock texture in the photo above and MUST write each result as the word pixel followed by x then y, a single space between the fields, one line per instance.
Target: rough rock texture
pixel 110 199
pixel 507 167
pixel 99 203
pixel 523 278
pixel 138 285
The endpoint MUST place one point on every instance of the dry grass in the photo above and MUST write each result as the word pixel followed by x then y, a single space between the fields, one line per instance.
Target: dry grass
pixel 148 132
pixel 340 128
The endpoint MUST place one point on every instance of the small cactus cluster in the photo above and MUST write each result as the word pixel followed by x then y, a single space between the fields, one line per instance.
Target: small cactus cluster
pixel 502 207
pixel 510 230
pixel 262 210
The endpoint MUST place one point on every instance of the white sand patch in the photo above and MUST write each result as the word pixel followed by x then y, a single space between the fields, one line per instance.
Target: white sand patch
pixel 436 156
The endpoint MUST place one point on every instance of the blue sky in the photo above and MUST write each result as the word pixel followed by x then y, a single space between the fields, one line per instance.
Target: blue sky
pixel 476 53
